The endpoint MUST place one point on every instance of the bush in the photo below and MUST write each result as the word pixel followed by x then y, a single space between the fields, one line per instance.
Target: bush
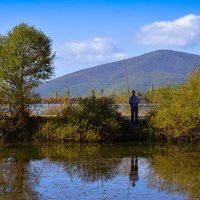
pixel 12 128
pixel 96 114
pixel 177 111
pixel 52 131
pixel 94 119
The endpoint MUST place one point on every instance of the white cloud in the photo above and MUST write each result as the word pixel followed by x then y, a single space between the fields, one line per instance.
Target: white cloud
pixel 180 32
pixel 91 51
pixel 120 56
pixel 94 46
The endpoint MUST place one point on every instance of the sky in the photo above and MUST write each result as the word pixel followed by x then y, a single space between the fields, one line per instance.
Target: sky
pixel 86 33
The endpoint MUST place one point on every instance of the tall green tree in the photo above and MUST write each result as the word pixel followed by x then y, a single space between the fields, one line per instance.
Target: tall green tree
pixel 26 59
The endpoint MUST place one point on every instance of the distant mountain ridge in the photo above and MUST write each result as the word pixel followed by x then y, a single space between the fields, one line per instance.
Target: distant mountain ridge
pixel 157 68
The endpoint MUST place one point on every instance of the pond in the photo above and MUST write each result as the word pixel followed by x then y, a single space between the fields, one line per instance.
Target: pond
pixel 99 171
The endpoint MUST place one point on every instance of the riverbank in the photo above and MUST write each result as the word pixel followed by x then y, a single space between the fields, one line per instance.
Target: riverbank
pixel 56 129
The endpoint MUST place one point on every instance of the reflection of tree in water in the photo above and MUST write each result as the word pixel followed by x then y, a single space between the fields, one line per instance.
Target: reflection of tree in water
pixel 16 177
pixel 94 162
pixel 133 175
pixel 172 170
pixel 88 162
pixel 93 170
pixel 176 170
pixel 19 175
pixel 6 175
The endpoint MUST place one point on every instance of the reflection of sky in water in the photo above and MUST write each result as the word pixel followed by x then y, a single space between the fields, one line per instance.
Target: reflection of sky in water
pixel 55 183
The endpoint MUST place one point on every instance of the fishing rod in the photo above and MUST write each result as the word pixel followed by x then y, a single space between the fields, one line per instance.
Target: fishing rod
pixel 127 81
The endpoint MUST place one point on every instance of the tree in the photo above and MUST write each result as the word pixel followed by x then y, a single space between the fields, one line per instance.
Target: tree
pixel 67 96
pixel 92 92
pixel 176 114
pixel 26 59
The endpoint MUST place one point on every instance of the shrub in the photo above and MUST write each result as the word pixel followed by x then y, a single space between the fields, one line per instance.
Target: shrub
pixel 48 131
pixel 94 119
pixel 12 128
pixel 177 111
pixel 70 132
pixel 52 131
pixel 97 115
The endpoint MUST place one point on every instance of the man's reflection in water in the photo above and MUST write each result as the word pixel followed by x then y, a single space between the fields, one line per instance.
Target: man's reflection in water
pixel 133 175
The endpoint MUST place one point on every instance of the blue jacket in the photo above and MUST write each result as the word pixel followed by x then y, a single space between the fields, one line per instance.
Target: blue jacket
pixel 134 101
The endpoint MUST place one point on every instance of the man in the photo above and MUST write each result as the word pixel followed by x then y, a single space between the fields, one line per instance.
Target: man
pixel 134 101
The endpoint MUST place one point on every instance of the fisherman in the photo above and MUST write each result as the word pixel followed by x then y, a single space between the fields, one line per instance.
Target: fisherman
pixel 134 101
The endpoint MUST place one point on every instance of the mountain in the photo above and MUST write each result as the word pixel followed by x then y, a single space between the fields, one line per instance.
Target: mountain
pixel 157 68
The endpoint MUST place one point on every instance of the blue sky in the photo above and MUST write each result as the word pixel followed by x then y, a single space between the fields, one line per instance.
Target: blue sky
pixel 92 32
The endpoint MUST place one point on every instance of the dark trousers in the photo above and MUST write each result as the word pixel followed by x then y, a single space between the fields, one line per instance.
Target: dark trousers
pixel 134 114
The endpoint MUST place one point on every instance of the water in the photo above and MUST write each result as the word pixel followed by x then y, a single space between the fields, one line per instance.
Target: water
pixel 99 172
pixel 123 108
